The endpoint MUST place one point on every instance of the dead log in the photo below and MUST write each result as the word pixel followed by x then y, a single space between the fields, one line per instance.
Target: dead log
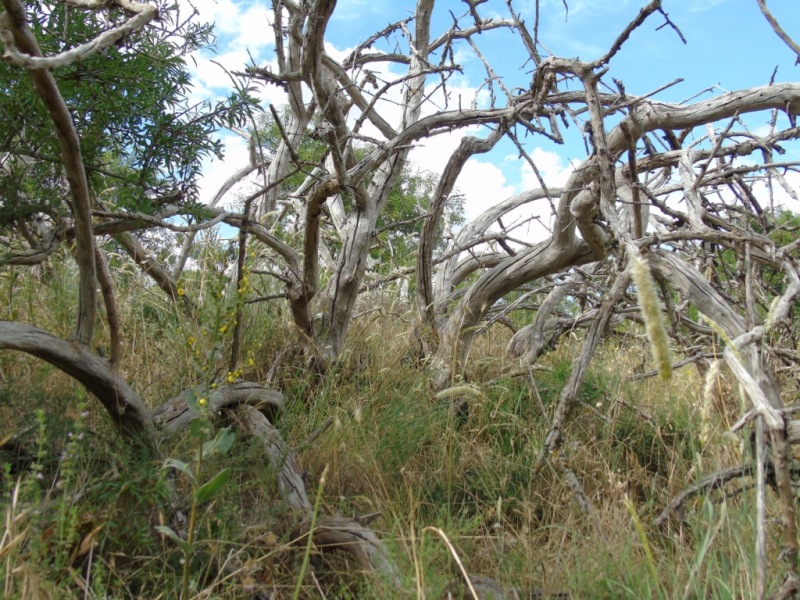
pixel 174 415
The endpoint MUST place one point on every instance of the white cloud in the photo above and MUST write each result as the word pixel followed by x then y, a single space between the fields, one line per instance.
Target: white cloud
pixel 241 24
pixel 244 33
pixel 483 185
pixel 209 70
pixel 555 171
pixel 552 167
pixel 335 53
pixel 251 29
pixel 781 197
pixel 216 172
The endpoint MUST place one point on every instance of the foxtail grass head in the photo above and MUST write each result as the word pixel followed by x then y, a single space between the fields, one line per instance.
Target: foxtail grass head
pixel 653 319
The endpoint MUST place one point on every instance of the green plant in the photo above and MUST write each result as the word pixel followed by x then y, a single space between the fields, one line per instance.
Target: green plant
pixel 209 445
pixel 392 448
pixel 66 533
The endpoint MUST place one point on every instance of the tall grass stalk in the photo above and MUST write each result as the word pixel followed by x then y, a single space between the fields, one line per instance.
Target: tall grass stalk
pixel 11 539
pixel 705 545
pixel 637 523
pixel 397 449
pixel 310 542
pixel 452 550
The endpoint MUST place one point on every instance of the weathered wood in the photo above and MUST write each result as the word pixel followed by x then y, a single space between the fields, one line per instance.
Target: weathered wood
pixel 529 342
pixel 357 540
pixel 128 413
pixel 332 532
pixel 569 394
pixel 280 456
pixel 542 259
pixel 468 147
pixel 707 484
pixel 745 359
pixel 175 415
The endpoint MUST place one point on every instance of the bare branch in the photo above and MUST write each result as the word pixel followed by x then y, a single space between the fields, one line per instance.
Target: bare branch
pixel 32 59
pixel 779 31
pixel 654 6
pixel 128 413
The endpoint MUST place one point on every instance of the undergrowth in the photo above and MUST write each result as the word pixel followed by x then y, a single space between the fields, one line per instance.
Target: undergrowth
pixel 81 512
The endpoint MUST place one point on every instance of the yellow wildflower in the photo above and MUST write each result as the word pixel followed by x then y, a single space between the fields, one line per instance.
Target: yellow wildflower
pixel 202 402
pixel 181 292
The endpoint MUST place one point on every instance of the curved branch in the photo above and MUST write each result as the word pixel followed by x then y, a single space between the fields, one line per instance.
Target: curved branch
pixel 651 115
pixel 128 413
pixel 346 534
pixel 468 147
pixel 544 258
pixel 143 14
pixel 475 229
pixel 175 415
pixel 708 484
pixel 530 342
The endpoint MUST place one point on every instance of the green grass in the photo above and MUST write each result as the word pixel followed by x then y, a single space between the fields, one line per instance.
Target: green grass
pixel 465 465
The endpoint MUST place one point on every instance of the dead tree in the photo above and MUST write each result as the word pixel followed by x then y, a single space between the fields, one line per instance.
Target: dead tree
pixel 702 219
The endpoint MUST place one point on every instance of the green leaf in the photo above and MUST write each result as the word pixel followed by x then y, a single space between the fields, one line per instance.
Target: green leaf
pixel 209 489
pixel 180 466
pixel 183 544
pixel 199 429
pixel 191 401
pixel 221 443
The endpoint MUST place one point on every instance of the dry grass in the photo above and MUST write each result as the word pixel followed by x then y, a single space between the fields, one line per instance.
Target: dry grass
pixel 464 466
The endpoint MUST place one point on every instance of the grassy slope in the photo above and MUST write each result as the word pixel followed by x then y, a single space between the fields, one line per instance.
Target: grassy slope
pixel 393 448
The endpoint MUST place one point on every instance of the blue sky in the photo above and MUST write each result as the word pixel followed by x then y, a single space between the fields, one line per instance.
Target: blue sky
pixel 730 46
pixel 717 31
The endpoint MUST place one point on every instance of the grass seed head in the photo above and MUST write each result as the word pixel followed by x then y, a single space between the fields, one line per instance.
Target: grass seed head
pixel 653 319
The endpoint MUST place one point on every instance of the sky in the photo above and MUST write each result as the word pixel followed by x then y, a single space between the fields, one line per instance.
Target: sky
pixel 729 46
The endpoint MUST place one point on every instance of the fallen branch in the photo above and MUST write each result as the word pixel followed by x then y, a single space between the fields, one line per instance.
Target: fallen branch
pixel 334 532
pixel 708 484
pixel 174 415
